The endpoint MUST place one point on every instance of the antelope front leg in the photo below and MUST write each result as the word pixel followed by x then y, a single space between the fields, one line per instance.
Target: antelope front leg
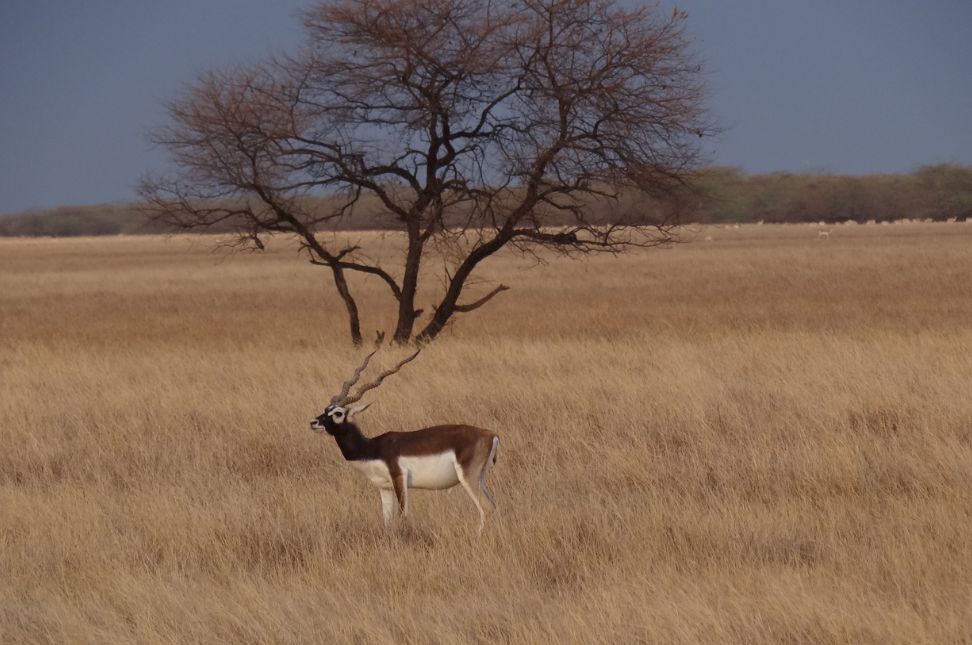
pixel 400 481
pixel 388 505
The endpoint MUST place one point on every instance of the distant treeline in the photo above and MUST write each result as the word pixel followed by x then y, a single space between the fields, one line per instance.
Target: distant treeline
pixel 717 195
pixel 937 192
pixel 71 221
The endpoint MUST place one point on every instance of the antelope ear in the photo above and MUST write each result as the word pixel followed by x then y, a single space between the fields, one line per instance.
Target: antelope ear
pixel 356 409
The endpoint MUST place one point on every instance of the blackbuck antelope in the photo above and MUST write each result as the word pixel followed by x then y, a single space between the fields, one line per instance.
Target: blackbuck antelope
pixel 432 458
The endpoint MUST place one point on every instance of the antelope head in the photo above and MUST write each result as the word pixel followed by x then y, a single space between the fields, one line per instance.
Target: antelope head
pixel 342 409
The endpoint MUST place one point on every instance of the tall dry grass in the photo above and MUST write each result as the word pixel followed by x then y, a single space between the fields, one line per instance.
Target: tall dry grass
pixel 764 438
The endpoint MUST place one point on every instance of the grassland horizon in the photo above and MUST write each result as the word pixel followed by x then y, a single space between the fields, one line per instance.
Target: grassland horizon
pixel 758 436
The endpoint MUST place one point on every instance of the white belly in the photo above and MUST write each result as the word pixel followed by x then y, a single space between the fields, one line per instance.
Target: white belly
pixel 376 471
pixel 430 471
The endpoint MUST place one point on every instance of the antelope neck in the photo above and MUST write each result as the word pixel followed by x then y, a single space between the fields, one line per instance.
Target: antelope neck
pixel 354 445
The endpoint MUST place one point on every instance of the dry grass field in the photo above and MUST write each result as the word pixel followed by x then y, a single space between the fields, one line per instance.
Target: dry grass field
pixel 761 438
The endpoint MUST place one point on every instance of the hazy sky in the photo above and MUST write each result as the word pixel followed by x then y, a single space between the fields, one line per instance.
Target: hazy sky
pixel 852 86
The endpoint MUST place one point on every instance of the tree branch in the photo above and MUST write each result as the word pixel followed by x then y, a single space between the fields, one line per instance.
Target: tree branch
pixel 482 301
pixel 365 268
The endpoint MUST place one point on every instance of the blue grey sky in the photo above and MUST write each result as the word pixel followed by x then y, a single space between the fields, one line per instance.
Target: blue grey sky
pixel 853 86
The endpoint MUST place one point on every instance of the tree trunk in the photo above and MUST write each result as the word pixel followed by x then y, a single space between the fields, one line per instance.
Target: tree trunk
pixel 342 286
pixel 406 306
pixel 447 307
pixel 437 324
pixel 445 310
pixel 450 301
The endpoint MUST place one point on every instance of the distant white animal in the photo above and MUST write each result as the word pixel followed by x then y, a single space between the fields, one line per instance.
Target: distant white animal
pixel 823 235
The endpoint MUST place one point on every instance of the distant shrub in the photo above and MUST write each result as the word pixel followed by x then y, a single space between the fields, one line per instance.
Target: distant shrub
pixel 72 221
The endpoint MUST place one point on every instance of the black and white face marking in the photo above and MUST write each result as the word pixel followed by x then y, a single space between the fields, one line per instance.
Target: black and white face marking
pixel 330 419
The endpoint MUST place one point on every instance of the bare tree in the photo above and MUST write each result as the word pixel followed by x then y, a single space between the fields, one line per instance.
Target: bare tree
pixel 476 125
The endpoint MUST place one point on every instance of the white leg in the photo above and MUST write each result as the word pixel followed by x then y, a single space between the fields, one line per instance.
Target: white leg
pixel 388 503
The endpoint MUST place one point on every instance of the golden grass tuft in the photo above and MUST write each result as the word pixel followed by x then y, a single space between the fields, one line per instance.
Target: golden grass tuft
pixel 761 438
